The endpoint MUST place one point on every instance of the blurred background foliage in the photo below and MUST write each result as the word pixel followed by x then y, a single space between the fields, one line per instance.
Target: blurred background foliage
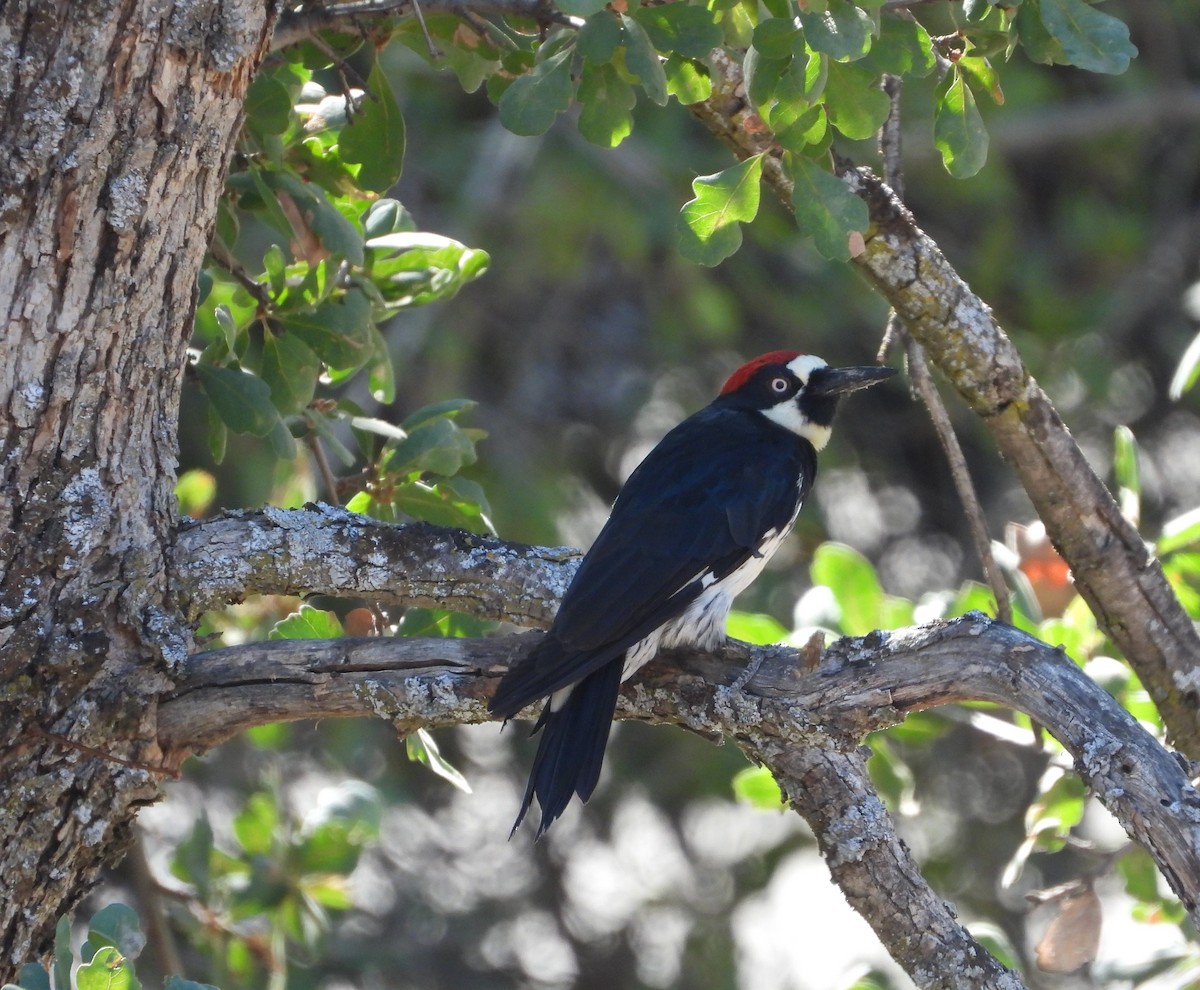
pixel 327 856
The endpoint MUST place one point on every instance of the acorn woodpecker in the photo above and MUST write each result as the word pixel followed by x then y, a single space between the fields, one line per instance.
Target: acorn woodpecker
pixel 691 528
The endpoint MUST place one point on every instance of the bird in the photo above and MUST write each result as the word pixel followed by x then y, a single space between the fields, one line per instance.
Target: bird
pixel 690 529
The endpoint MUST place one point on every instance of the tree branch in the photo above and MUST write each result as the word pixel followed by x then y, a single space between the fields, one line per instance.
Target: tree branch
pixel 322 549
pixel 1114 570
pixel 297 25
pixel 805 725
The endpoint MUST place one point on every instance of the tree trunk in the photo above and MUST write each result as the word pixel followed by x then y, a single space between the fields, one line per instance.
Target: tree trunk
pixel 119 119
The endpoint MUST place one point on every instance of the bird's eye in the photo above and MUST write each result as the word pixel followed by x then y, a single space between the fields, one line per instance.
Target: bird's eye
pixel 780 385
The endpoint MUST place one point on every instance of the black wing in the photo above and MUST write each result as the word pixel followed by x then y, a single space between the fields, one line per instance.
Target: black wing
pixel 679 516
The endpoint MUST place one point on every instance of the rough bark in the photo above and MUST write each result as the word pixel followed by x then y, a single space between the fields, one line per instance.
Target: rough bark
pixel 803 722
pixel 327 550
pixel 1114 570
pixel 119 117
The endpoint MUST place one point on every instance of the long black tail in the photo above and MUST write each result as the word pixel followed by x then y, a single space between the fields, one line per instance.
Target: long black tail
pixel 571 749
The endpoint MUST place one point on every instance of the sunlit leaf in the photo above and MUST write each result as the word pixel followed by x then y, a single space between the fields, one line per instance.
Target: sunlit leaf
pixel 423 749
pixel 606 101
pixel 686 81
pixel 855 586
pixel 751 627
pixel 1188 371
pixel 756 787
pixel 257 824
pixel 708 227
pixel 307 623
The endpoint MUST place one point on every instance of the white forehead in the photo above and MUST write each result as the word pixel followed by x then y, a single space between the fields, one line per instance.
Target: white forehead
pixel 804 365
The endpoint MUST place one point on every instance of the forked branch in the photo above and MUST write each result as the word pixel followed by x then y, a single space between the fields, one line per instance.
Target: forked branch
pixel 804 724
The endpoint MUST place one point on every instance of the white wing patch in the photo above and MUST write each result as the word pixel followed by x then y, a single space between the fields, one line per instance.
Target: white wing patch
pixel 703 622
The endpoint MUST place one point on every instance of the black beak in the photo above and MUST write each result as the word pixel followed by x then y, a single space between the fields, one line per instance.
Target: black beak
pixel 840 381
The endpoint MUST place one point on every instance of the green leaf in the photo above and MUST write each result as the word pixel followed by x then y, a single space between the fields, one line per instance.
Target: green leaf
pixel 825 208
pixel 117 925
pixel 411 269
pixel 439 447
pixel 107 970
pixel 855 586
pixel 854 101
pixel 345 818
pixel 423 749
pixel 31 977
pixel 750 627
pixel 600 38
pixel 606 101
pixel 1090 38
pixel 763 75
pixel 642 60
pixel 275 265
pixel 179 983
pixel 681 28
pixel 1057 809
pixel 63 956
pixel 1188 371
pixel 307 623
pixel 192 861
pixel 531 103
pixel 686 81
pixel 387 216
pixel 374 137
pixel 1127 472
pixel 338 331
pixel 756 787
pixel 581 8
pixel 903 48
pixel 255 825
pixel 268 106
pixel 708 226
pixel 980 72
pixel 242 401
pixel 843 31
pixel 774 37
pixel 958 130
pixel 1179 532
pixel 290 368
pixel 1037 43
pixel 448 408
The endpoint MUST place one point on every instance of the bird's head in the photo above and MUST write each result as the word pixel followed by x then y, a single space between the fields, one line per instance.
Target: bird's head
pixel 797 391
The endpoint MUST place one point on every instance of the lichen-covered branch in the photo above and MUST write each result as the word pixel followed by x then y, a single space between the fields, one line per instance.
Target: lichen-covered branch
pixel 804 724
pixel 1113 569
pixel 327 550
pixel 296 25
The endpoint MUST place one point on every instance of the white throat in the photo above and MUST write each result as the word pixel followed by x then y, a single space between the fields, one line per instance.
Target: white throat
pixel 788 414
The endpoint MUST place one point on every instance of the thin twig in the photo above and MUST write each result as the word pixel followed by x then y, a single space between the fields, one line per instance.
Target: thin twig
pixel 327 477
pixel 925 388
pixel 889 146
pixel 151 909
pixel 434 51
